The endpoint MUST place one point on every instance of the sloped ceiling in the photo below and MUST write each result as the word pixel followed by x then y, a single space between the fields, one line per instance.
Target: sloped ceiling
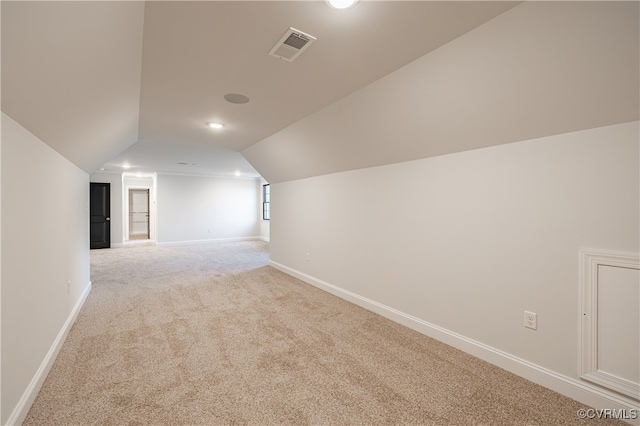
pixel 92 78
pixel 71 75
pixel 108 83
pixel 540 69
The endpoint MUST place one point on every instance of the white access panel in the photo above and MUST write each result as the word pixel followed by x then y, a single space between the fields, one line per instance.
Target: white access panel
pixel 619 322
pixel 611 321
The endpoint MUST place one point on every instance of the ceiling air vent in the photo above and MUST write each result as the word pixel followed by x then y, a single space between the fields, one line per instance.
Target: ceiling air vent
pixel 291 45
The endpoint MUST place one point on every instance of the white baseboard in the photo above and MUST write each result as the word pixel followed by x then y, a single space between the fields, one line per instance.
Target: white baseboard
pixel 213 240
pixel 580 391
pixel 188 242
pixel 137 243
pixel 21 410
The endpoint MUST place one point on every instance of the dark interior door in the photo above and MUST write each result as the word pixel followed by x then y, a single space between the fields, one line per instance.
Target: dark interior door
pixel 100 216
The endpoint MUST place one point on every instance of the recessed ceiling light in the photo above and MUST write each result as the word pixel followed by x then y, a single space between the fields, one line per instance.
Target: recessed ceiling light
pixel 341 4
pixel 235 98
pixel 126 166
pixel 215 125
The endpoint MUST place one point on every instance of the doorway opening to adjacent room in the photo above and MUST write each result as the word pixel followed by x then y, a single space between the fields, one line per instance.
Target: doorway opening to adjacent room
pixel 139 211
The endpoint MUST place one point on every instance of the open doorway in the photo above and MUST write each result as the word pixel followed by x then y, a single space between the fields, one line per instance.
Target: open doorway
pixel 139 228
pixel 139 211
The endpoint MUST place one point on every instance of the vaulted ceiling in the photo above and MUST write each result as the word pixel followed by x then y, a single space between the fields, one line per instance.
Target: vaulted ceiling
pixel 109 83
pixel 539 69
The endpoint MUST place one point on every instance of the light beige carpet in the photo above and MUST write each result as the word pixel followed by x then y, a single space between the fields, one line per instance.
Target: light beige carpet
pixel 209 335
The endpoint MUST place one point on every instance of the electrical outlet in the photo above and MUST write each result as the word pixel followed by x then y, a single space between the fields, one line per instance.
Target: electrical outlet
pixel 307 258
pixel 531 320
pixel 68 287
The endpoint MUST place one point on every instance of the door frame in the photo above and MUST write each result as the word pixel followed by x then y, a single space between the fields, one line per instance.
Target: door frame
pixel 153 223
pixel 130 213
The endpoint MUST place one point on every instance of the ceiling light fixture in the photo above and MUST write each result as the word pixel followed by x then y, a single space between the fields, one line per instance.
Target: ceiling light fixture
pixel 215 125
pixel 126 166
pixel 341 4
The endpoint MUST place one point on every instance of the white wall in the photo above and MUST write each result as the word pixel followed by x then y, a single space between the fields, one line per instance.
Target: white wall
pixel 45 245
pixel 194 208
pixel 115 181
pixel 230 207
pixel 469 241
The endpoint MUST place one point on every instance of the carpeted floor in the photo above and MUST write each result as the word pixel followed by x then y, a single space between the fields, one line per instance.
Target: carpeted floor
pixel 209 334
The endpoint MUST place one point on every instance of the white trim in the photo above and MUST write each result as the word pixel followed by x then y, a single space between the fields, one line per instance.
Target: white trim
pixel 580 391
pixel 213 240
pixel 21 409
pixel 265 239
pixel 589 370
pixel 150 206
pixel 138 243
pixel 153 201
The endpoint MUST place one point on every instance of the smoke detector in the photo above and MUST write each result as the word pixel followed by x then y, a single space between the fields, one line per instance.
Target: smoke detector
pixel 292 44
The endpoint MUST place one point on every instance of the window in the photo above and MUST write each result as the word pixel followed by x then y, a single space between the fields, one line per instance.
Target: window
pixel 266 202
